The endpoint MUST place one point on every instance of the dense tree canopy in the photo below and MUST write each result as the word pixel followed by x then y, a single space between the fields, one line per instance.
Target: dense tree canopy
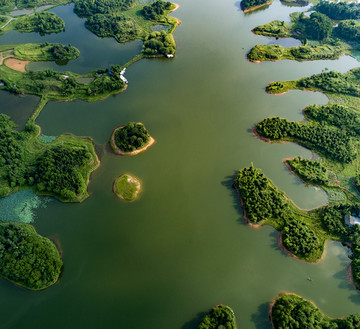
pixel 337 115
pixel 339 10
pixel 261 200
pixel 219 317
pixel 248 4
pixel 317 27
pixel 159 43
pixel 43 22
pixel 156 9
pixel 131 137
pixel 329 140
pixel 27 258
pixel 58 171
pixel 310 171
pixel 348 30
pixel 86 8
pixel 118 26
pixel 299 238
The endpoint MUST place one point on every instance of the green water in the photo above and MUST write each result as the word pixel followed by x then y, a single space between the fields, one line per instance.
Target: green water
pixel 183 247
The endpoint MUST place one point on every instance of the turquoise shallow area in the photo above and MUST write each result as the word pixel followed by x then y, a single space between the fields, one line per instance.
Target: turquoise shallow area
pixel 182 247
pixel 20 207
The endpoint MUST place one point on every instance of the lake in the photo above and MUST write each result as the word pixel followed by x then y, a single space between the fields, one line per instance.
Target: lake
pixel 162 261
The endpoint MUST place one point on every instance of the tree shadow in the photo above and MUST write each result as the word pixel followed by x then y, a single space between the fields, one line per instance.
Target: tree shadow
pixel 195 321
pixel 228 182
pixel 261 317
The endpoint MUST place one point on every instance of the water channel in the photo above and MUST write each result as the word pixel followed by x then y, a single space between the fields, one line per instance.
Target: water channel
pixel 163 260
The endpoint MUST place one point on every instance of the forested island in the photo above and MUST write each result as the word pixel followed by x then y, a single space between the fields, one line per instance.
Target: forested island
pixel 131 139
pixel 28 259
pixel 320 27
pixel 221 316
pixel 292 312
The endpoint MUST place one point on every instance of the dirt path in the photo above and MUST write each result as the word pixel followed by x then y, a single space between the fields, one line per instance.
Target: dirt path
pixel 8 22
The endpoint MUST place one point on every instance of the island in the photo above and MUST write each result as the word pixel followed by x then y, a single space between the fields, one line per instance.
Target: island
pixel 328 33
pixel 61 168
pixel 292 311
pixel 127 187
pixel 131 139
pixel 28 259
pixel 251 5
pixel 220 316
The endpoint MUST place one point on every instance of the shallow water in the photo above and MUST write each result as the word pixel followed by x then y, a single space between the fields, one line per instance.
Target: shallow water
pixel 182 247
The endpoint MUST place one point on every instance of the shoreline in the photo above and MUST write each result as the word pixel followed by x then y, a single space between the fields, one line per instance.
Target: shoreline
pixel 118 151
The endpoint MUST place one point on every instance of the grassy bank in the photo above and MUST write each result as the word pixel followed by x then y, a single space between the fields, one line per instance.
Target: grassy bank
pixel 127 187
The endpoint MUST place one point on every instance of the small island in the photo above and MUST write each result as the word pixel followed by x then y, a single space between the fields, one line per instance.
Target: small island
pixel 131 139
pixel 127 187
pixel 292 311
pixel 221 316
pixel 251 5
pixel 26 258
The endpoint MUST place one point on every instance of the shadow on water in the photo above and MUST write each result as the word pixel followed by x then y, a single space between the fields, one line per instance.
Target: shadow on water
pixel 195 321
pixel 228 183
pixel 261 317
pixel 237 4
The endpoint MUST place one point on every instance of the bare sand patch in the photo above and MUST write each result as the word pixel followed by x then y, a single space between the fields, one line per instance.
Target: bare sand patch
pixel 16 64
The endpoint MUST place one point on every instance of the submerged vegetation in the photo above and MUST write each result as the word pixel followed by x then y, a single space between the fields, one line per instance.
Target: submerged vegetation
pixel 221 316
pixel 28 259
pixel 291 311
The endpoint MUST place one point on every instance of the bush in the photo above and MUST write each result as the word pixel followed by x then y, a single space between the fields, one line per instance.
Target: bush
pixel 132 137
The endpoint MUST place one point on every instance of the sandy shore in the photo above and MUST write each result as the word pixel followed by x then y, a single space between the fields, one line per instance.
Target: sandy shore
pixel 118 151
pixel 16 64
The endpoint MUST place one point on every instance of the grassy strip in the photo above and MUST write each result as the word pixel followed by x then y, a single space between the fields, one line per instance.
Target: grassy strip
pixel 261 53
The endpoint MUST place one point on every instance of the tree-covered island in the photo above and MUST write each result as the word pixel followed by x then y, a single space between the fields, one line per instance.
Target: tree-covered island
pixel 26 258
pixel 131 139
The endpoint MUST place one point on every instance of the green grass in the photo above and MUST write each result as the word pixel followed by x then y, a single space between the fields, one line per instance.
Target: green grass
pixel 127 187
